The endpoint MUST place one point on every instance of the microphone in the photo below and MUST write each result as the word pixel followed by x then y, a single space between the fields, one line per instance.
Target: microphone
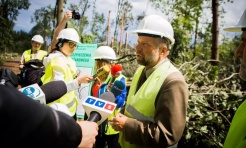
pixel 99 109
pixel 54 90
pixel 35 92
pixel 102 71
pixel 46 93
pixel 114 69
pixel 117 88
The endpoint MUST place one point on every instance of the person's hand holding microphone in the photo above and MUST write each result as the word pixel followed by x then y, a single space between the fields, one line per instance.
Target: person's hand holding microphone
pixel 89 133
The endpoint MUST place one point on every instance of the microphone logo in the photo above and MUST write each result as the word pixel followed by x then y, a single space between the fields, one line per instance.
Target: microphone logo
pixel 100 103
pixel 31 92
pixel 34 92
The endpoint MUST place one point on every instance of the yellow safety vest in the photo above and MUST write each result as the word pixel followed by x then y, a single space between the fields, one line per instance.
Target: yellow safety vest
pixel 140 105
pixel 28 55
pixel 108 128
pixel 68 68
pixel 236 137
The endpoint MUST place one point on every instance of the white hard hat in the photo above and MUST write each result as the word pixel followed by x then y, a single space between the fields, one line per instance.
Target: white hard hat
pixel 69 34
pixel 157 26
pixel 38 38
pixel 62 108
pixel 104 52
pixel 239 26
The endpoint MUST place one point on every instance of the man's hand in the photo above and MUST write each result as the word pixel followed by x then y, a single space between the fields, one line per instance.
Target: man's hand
pixel 89 133
pixel 118 122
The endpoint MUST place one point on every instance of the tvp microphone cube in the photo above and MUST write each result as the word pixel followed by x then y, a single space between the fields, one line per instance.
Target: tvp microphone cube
pixel 102 107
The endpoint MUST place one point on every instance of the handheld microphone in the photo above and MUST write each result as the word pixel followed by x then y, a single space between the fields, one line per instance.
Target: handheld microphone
pixel 114 69
pixel 35 92
pixel 99 109
pixel 102 71
pixel 117 88
pixel 46 93
pixel 54 90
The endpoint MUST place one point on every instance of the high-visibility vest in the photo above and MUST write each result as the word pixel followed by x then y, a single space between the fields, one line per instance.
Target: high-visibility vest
pixel 28 55
pixel 236 137
pixel 108 128
pixel 68 68
pixel 140 105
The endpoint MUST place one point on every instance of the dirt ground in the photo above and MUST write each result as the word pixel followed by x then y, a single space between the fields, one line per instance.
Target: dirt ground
pixel 13 65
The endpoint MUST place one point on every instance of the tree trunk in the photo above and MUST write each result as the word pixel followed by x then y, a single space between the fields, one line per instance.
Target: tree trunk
pixel 108 36
pixel 215 33
pixel 121 33
pixel 59 11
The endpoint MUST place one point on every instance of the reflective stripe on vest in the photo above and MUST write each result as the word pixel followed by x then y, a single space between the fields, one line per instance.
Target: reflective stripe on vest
pixel 140 105
pixel 68 68
pixel 28 55
pixel 137 115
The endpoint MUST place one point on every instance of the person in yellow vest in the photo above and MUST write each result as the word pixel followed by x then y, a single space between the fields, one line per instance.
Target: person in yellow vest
pixel 31 66
pixel 104 55
pixel 35 52
pixel 155 111
pixel 60 66
pixel 236 136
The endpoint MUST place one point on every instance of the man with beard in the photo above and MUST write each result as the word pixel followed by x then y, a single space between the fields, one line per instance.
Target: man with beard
pixel 155 111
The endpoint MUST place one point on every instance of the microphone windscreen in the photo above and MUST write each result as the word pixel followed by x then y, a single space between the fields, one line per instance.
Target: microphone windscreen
pixel 115 68
pixel 108 96
pixel 117 88
pixel 54 90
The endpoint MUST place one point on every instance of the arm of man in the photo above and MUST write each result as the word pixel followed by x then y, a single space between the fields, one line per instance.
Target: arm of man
pixel 27 123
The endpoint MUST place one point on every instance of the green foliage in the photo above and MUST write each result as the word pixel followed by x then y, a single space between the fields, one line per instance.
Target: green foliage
pixel 22 41
pixel 212 103
pixel 9 11
pixel 88 39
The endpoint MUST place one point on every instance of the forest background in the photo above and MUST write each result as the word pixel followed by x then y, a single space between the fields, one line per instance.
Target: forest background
pixel 203 55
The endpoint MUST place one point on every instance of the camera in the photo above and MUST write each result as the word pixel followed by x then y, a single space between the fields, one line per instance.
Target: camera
pixel 75 15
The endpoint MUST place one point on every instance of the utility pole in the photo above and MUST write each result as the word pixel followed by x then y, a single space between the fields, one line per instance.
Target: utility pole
pixel 121 32
pixel 108 36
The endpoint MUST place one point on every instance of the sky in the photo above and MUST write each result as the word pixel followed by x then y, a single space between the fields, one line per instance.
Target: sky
pixel 231 17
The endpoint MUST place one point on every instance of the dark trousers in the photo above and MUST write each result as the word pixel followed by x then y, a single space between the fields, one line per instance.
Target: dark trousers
pixel 112 141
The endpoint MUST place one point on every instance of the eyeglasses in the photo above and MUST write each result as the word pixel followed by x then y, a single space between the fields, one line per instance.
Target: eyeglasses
pixel 72 44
